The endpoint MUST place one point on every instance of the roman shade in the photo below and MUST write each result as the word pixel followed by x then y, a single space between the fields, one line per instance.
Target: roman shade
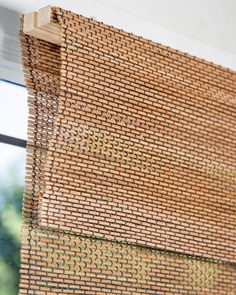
pixel 130 185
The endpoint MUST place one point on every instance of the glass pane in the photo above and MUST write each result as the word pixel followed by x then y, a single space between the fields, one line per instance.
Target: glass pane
pixel 13 110
pixel 12 172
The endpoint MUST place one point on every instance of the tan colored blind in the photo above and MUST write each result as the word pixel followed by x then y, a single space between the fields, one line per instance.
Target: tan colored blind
pixel 130 185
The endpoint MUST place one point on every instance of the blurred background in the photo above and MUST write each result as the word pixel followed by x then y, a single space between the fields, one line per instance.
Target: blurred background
pixel 204 28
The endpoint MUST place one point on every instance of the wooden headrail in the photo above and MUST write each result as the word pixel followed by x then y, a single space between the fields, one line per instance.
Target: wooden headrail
pixel 41 25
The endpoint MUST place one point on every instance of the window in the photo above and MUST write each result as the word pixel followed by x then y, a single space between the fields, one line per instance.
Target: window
pixel 13 133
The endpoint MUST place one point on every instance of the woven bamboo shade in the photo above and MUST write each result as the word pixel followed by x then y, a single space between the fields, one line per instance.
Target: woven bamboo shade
pixel 130 185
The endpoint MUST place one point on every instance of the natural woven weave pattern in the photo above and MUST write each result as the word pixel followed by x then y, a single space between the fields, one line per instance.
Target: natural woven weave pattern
pixel 131 175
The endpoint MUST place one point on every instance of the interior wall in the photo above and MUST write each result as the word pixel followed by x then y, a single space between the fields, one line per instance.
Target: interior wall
pixel 10 55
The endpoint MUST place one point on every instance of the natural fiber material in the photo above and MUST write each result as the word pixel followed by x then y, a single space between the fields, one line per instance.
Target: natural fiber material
pixel 130 185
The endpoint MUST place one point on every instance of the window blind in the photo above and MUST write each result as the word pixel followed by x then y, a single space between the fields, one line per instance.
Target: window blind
pixel 130 185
